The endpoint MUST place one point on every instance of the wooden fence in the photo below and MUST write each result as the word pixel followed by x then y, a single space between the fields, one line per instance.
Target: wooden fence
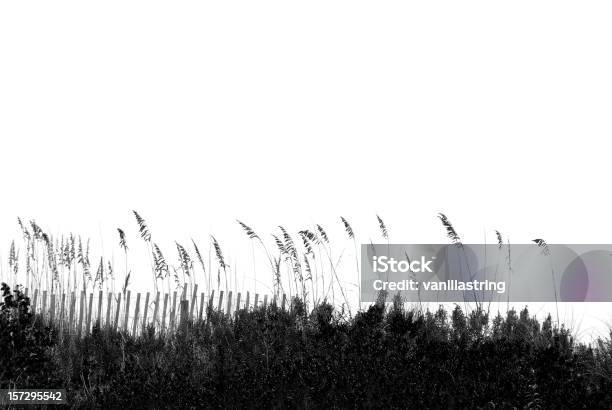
pixel 77 312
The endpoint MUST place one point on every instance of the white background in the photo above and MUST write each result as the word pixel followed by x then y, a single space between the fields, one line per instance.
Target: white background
pixel 276 112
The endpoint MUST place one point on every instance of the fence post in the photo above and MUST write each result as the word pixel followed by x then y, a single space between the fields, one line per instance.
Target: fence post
pixel 238 302
pixel 265 301
pixel 246 303
pixel 127 310
pixel 136 312
pixel 256 301
pixel 144 316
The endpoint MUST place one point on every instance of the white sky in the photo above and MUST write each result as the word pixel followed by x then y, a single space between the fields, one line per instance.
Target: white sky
pixel 275 112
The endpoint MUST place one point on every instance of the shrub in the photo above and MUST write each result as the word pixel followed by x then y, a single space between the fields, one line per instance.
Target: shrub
pixel 24 341
pixel 276 358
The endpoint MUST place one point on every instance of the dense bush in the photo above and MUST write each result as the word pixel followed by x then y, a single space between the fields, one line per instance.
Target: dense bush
pixel 24 344
pixel 383 357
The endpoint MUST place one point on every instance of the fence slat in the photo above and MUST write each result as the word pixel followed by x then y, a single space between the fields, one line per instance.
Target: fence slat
pixel 52 308
pixel 220 307
pixel 99 318
pixel 72 313
pixel 256 301
pixel 211 299
pixel 61 316
pixel 229 302
pixel 193 300
pixel 265 301
pixel 202 296
pixel 173 311
pixel 127 310
pixel 88 324
pixel 81 309
pixel 156 310
pixel 117 312
pixel 144 313
pixel 136 312
pixel 164 314
pixel 109 302
pixel 184 312
pixel 238 302
pixel 34 301
pixel 246 303
pixel 43 310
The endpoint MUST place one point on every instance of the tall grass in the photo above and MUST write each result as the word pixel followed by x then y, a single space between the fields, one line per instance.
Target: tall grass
pixel 305 268
pixel 303 263
pixel 546 252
